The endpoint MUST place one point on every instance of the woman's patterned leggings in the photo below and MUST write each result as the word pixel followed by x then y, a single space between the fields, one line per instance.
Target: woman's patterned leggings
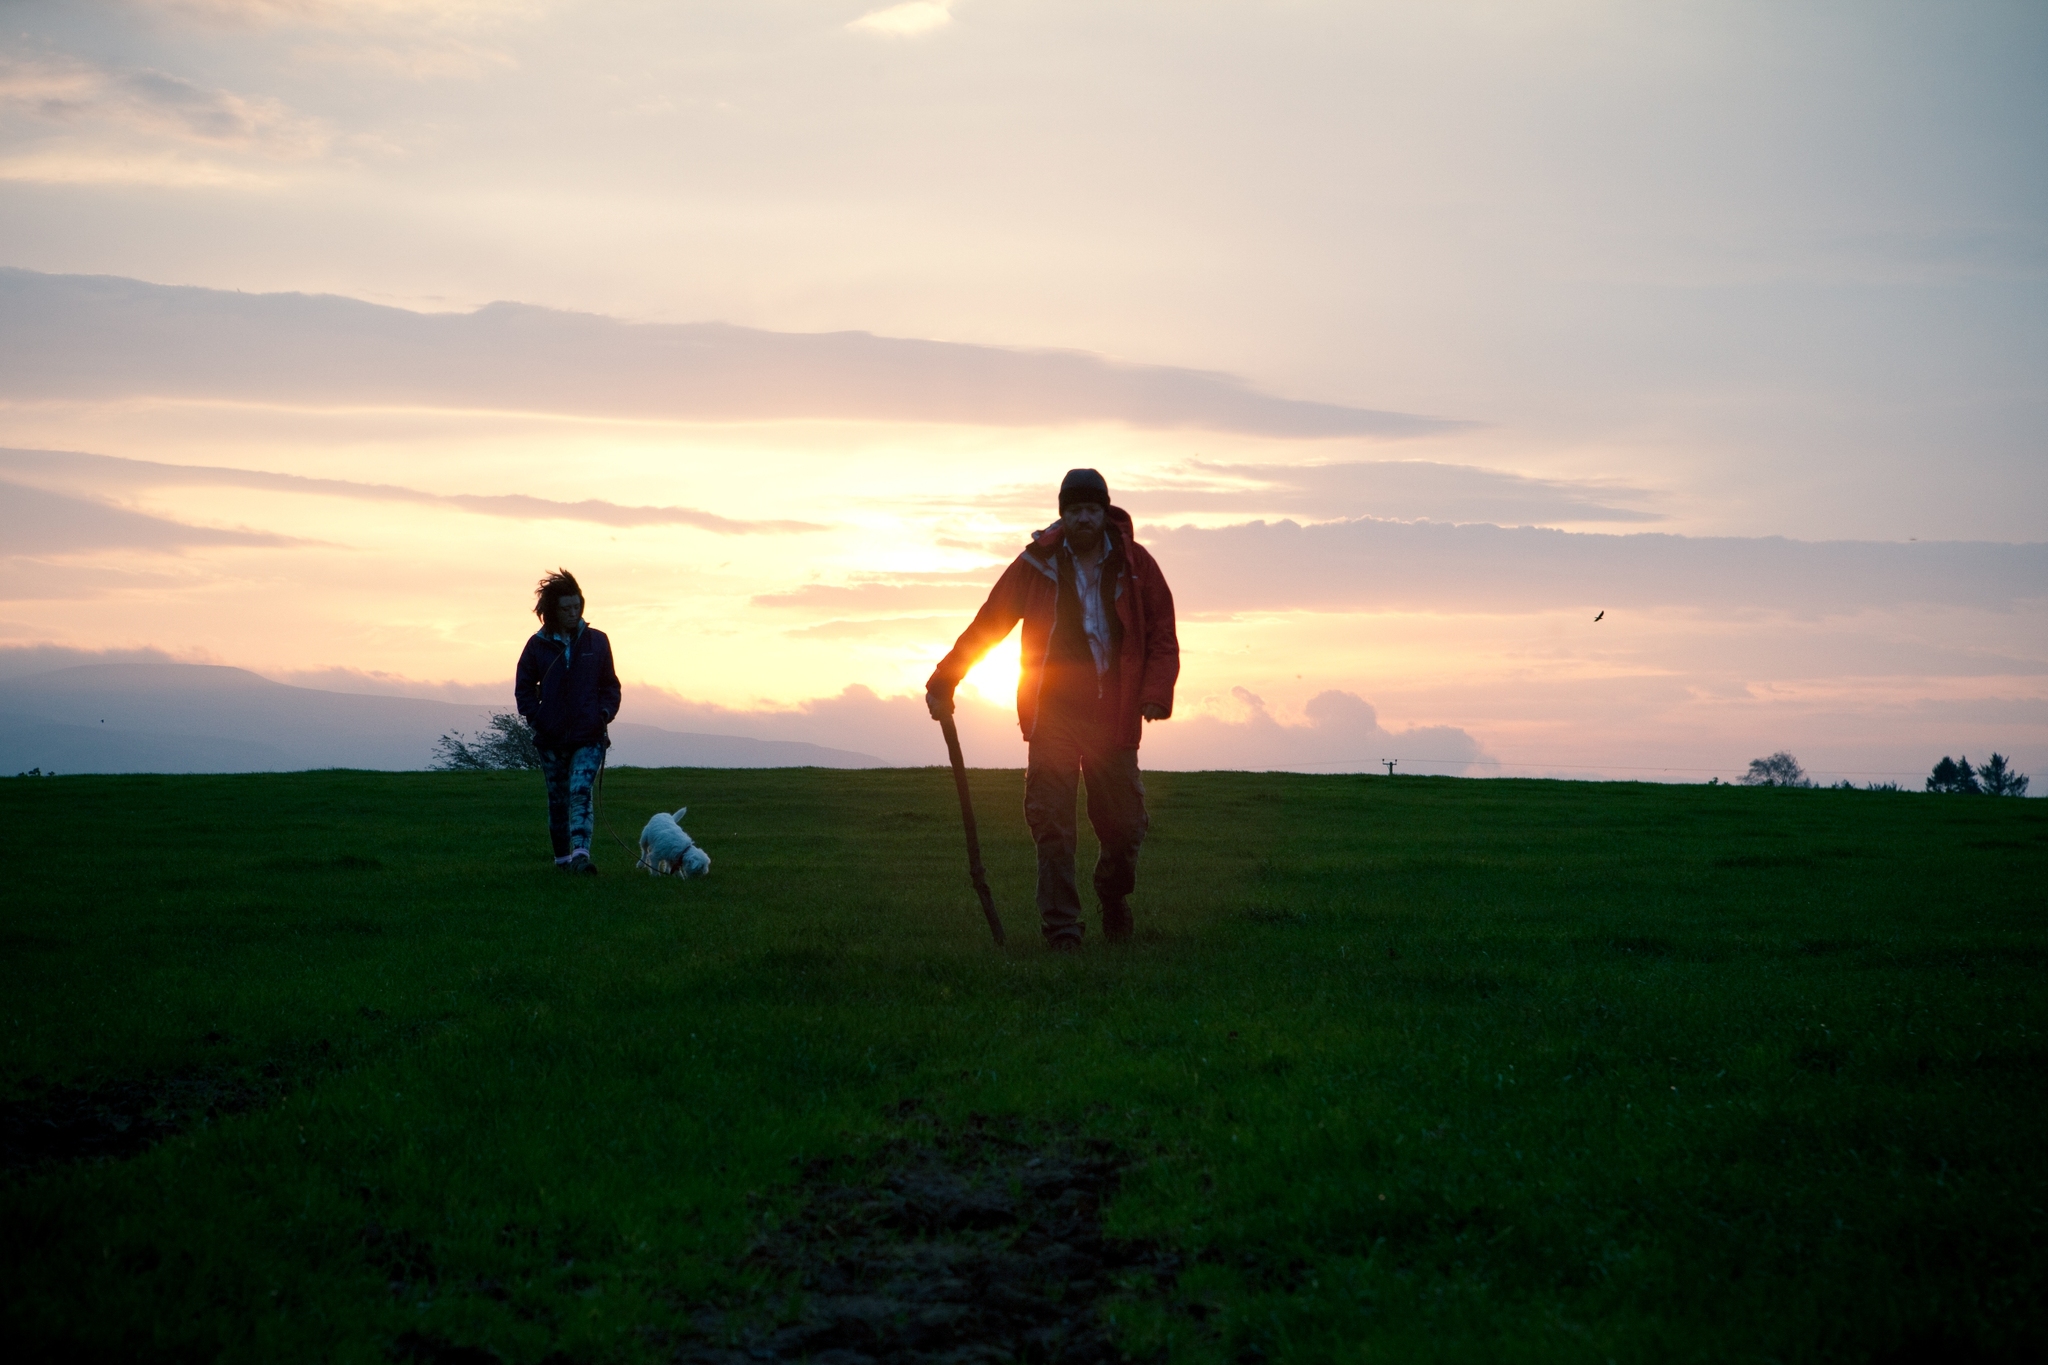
pixel 571 774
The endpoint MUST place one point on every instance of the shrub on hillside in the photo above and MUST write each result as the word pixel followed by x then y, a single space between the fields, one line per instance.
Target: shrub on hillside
pixel 1779 770
pixel 508 743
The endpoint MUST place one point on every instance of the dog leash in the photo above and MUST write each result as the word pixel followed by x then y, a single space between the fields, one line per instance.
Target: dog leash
pixel 597 818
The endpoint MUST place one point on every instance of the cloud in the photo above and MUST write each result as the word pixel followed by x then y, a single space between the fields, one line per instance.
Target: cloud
pixel 45 523
pixel 441 59
pixel 1401 490
pixel 21 661
pixel 100 125
pixel 413 39
pixel 896 729
pixel 106 470
pixel 372 682
pixel 1393 490
pixel 891 597
pixel 99 337
pixel 521 506
pixel 357 14
pixel 914 627
pixel 112 166
pixel 36 580
pixel 1338 732
pixel 1372 565
pixel 156 105
pixel 906 20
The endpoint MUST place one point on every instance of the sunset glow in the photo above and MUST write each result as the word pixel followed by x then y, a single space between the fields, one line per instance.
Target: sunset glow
pixel 1309 286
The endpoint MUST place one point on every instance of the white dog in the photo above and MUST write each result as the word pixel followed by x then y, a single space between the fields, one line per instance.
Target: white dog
pixel 665 850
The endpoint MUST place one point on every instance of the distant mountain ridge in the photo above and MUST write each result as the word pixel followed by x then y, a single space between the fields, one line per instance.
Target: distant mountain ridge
pixel 177 718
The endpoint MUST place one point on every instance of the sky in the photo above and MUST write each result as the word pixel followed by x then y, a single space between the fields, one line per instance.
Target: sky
pixel 1413 337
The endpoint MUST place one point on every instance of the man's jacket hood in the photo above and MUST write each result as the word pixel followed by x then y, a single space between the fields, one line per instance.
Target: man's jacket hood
pixel 1147 661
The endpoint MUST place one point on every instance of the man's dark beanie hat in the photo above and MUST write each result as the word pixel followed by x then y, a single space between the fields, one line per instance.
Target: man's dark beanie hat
pixel 1083 485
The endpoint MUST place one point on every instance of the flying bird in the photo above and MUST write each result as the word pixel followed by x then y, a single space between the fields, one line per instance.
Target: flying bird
pixel 1597 618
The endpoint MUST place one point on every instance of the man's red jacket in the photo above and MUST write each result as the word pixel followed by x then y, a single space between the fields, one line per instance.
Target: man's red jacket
pixel 1148 660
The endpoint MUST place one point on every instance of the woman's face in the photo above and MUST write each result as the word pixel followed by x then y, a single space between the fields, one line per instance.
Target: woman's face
pixel 568 612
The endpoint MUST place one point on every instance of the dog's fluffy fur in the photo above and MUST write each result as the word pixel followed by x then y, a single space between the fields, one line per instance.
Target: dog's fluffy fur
pixel 666 851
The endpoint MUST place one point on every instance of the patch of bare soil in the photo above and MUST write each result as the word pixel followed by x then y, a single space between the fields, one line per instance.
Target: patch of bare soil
pixel 984 1245
pixel 115 1119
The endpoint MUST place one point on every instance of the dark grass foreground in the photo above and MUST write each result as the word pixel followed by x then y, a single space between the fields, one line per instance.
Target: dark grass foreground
pixel 335 1066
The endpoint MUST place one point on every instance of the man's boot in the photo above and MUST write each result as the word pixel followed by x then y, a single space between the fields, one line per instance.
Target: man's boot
pixel 1116 920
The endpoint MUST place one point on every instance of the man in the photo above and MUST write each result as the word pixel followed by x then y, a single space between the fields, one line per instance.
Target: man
pixel 1099 660
pixel 568 691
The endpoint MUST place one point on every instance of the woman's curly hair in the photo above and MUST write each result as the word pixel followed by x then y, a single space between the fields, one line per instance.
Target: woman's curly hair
pixel 552 589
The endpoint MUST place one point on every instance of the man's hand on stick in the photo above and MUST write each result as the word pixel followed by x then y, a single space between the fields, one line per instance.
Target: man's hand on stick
pixel 939 701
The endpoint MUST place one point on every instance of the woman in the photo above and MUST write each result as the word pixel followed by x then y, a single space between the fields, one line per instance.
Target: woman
pixel 568 692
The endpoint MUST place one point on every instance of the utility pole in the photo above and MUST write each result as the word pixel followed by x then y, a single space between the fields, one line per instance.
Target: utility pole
pixel 1390 762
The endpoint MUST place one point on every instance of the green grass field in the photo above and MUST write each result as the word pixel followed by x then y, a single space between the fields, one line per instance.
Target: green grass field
pixel 336 1066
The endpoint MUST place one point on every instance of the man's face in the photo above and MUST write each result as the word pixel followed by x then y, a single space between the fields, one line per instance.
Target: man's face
pixel 1084 522
pixel 568 612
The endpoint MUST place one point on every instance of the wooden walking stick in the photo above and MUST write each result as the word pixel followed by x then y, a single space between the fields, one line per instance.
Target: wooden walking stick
pixel 975 871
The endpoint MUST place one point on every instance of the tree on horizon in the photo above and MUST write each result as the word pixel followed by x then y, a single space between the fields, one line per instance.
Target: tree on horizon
pixel 1954 777
pixel 1779 770
pixel 1997 778
pixel 507 744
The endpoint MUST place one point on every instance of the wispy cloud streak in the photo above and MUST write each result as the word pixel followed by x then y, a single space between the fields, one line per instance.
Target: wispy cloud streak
pixel 906 20
pixel 112 469
pixel 98 337
pixel 1403 490
pixel 80 122
pixel 67 92
pixel 40 522
pixel 1370 565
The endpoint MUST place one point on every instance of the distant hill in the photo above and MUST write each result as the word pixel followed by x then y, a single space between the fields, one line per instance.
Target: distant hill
pixel 181 718
pixel 649 746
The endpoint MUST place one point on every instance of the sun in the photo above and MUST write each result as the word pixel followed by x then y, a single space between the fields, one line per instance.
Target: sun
pixel 995 677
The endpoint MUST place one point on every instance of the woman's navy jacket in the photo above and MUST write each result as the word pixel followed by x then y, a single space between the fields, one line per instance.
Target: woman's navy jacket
pixel 568 703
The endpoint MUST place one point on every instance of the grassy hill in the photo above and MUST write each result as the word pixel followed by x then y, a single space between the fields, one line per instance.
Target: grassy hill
pixel 335 1065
